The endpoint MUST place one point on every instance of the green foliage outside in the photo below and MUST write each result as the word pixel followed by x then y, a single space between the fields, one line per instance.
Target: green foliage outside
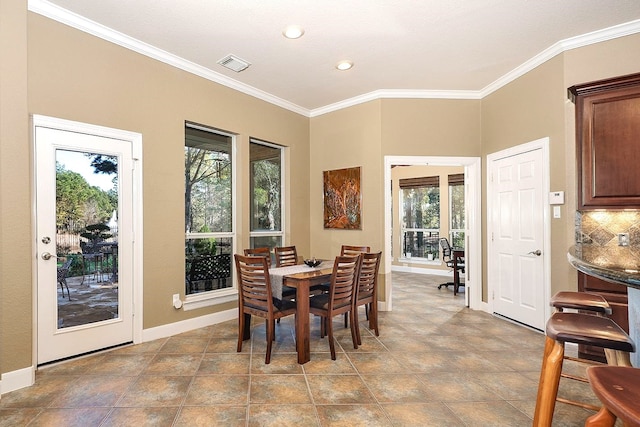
pixel 83 209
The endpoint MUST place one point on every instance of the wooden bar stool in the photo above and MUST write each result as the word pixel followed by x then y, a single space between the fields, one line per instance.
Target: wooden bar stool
pixel 618 388
pixel 585 301
pixel 579 329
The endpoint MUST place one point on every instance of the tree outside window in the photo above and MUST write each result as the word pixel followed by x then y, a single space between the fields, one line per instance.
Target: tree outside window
pixel 420 216
pixel 266 194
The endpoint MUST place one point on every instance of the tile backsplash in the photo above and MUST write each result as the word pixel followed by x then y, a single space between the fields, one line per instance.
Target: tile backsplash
pixel 597 237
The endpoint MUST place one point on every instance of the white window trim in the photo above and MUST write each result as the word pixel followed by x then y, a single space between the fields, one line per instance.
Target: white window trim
pixel 219 296
pixel 276 233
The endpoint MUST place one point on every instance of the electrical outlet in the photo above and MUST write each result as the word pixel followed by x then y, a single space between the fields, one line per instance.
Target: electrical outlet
pixel 177 302
pixel 623 239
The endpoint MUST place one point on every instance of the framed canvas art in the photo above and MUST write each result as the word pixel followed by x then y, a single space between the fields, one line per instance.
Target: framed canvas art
pixel 342 199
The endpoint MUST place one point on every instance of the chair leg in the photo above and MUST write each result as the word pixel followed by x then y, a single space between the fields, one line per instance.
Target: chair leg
pixel 549 382
pixel 356 322
pixel 241 319
pixel 355 330
pixel 373 318
pixel 604 418
pixel 270 337
pixel 332 345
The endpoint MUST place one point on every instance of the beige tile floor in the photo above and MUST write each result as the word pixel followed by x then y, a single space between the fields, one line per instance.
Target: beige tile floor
pixel 435 363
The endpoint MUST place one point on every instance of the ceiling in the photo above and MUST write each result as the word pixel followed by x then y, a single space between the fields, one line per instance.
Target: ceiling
pixel 400 48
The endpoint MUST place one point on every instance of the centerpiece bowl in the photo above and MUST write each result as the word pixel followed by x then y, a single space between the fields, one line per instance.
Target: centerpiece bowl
pixel 313 262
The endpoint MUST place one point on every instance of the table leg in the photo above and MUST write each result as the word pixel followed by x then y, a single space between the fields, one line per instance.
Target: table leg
pixel 302 323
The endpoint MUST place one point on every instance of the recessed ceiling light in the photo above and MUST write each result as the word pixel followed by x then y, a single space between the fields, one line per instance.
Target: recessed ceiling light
pixel 344 65
pixel 293 32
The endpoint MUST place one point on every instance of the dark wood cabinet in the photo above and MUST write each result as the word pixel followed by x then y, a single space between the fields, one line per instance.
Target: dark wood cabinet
pixel 616 295
pixel 608 142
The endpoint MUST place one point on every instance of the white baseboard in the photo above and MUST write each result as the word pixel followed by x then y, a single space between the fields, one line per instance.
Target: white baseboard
pixel 14 380
pixel 170 329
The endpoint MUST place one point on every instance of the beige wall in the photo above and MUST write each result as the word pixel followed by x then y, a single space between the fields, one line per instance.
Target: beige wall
pixel 527 109
pixel 72 75
pixel 343 139
pixel 15 201
pixel 431 127
pixel 76 76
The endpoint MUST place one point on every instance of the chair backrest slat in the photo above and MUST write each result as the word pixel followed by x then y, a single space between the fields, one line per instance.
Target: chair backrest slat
pixel 254 283
pixel 368 278
pixel 286 255
pixel 344 280
pixel 351 250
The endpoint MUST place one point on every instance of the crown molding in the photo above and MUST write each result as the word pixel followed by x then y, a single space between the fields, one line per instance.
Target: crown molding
pixel 397 94
pixel 81 23
pixel 45 8
pixel 598 36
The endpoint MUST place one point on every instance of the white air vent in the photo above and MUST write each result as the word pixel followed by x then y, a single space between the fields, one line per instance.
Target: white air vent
pixel 234 63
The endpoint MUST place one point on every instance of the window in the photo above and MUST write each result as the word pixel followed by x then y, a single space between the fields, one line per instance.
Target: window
pixel 456 210
pixel 266 194
pixel 208 201
pixel 420 198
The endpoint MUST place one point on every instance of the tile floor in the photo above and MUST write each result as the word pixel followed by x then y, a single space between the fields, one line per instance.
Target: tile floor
pixel 435 363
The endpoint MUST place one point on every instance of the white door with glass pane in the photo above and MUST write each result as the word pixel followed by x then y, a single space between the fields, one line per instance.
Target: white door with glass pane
pixel 517 236
pixel 84 238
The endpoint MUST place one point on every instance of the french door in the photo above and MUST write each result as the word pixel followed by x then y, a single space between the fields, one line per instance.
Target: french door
pixel 84 239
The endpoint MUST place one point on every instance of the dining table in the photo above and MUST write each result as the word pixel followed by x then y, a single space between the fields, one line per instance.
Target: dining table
pixel 301 277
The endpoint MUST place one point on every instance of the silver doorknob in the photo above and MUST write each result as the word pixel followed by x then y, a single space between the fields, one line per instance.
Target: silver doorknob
pixel 47 256
pixel 536 253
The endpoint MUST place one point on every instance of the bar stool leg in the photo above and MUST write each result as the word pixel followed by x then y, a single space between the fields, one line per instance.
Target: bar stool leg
pixel 549 382
pixel 617 358
pixel 604 418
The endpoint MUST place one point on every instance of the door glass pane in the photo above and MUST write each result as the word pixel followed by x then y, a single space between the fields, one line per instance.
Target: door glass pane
pixel 86 237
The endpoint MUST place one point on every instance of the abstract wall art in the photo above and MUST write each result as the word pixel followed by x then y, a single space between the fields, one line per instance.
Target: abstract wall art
pixel 342 199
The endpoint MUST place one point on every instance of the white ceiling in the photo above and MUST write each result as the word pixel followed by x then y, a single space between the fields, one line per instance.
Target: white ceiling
pixel 401 48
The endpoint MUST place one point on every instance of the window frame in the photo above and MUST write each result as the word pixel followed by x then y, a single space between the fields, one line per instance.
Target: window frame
pixel 452 230
pixel 263 233
pixel 419 183
pixel 217 296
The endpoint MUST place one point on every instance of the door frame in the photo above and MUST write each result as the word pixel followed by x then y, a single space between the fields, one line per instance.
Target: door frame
pixel 473 272
pixel 542 144
pixel 136 204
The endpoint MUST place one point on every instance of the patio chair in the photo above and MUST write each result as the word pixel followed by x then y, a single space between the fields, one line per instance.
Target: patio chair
pixel 62 274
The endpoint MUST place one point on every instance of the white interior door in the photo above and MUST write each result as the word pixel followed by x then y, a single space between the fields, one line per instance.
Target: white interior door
pixel 517 246
pixel 84 220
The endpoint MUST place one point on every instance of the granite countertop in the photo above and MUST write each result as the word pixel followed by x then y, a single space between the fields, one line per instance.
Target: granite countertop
pixel 605 271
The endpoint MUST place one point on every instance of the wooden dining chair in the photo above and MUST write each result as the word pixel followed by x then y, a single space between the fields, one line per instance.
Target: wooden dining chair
pixel 254 287
pixel 287 291
pixel 367 294
pixel 286 255
pixel 340 299
pixel 350 250
pixel 266 252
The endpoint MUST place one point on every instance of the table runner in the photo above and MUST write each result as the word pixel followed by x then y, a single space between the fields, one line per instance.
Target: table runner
pixel 277 274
